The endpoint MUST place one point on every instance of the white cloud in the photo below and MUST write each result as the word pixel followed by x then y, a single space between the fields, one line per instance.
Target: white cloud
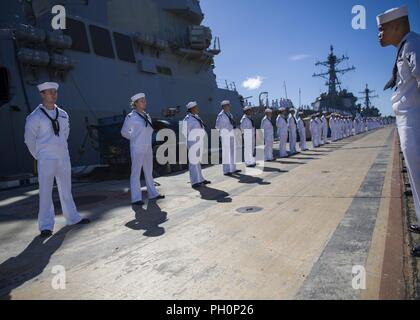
pixel 299 57
pixel 253 83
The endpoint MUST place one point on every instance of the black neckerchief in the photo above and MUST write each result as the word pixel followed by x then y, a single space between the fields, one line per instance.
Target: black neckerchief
pixel 393 81
pixel 294 120
pixel 232 122
pixel 54 122
pixel 198 119
pixel 146 120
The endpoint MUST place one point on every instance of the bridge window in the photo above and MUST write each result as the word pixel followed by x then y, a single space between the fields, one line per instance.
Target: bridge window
pixel 77 31
pixel 101 41
pixel 124 47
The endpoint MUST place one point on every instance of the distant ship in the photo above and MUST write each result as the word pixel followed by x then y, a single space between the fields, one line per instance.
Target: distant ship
pixel 109 51
pixel 335 99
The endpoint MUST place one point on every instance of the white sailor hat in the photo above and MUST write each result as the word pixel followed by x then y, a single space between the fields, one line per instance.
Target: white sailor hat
pixel 224 102
pixel 292 109
pixel 246 108
pixel 137 97
pixel 282 109
pixel 268 110
pixel 48 85
pixel 191 105
pixel 391 15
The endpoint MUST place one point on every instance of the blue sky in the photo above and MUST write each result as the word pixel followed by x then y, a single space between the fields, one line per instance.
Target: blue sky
pixel 281 40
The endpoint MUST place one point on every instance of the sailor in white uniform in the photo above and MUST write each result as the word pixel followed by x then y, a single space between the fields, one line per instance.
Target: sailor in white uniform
pixel 324 126
pixel 194 130
pixel 225 123
pixel 302 132
pixel 46 132
pixel 282 129
pixel 313 127
pixel 267 126
pixel 248 130
pixel 333 126
pixel 356 126
pixel 138 128
pixel 319 126
pixel 394 29
pixel 292 125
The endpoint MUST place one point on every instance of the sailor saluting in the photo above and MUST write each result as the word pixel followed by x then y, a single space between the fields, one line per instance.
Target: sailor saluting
pixel 138 128
pixel 194 131
pixel 226 125
pixel 394 29
pixel 46 132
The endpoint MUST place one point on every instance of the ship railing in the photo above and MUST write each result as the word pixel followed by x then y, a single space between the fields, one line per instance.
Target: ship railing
pixel 226 85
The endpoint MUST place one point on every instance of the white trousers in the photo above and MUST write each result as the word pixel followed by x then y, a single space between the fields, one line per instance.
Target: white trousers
pixel 409 132
pixel 282 143
pixel 314 138
pixel 61 171
pixel 292 141
pixel 268 148
pixel 249 147
pixel 139 161
pixel 302 141
pixel 194 163
pixel 228 152
pixel 324 134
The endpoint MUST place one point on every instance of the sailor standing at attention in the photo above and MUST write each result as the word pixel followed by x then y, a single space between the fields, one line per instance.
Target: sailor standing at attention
pixel 319 126
pixel 282 128
pixel 333 125
pixel 292 124
pixel 248 130
pixel 226 125
pixel 313 126
pixel 394 29
pixel 324 125
pixel 302 132
pixel 267 126
pixel 46 132
pixel 194 131
pixel 138 128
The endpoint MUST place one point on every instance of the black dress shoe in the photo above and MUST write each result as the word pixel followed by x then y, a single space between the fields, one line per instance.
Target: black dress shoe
pixel 237 171
pixel 46 233
pixel 138 203
pixel 415 252
pixel 159 197
pixel 227 174
pixel 252 166
pixel 206 182
pixel 196 185
pixel 83 221
pixel 414 228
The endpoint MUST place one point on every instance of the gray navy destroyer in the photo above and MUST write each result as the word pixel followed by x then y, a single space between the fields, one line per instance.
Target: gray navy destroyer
pixel 109 50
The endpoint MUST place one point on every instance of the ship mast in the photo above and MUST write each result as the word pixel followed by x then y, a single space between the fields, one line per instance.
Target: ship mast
pixel 367 96
pixel 332 74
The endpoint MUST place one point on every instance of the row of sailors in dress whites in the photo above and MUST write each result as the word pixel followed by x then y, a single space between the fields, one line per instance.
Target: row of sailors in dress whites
pixel 287 126
pixel 47 130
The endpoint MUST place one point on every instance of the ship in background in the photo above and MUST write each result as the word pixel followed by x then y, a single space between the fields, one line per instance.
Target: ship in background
pixel 110 50
pixel 336 99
